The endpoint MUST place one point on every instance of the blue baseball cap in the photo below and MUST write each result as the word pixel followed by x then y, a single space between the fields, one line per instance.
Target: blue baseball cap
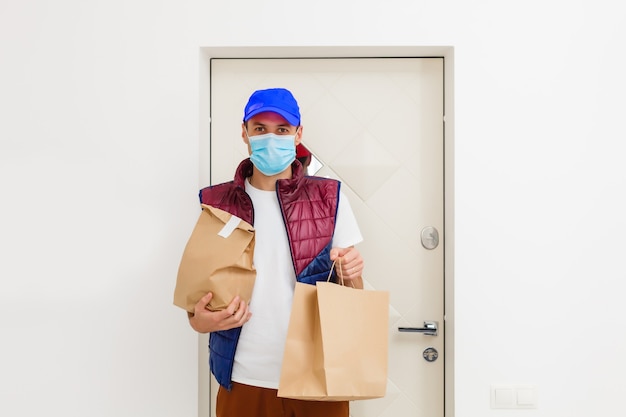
pixel 277 100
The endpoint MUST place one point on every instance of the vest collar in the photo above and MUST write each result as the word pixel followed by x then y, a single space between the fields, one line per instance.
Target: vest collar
pixel 244 170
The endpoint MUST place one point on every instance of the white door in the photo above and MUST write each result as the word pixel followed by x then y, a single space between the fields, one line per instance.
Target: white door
pixel 376 125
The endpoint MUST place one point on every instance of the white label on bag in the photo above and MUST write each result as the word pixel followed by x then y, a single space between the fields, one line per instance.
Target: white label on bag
pixel 228 228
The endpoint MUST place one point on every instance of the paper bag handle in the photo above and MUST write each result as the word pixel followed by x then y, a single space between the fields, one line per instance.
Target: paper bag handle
pixel 330 273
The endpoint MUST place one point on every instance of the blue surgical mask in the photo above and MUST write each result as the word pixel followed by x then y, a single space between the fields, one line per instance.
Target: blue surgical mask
pixel 271 153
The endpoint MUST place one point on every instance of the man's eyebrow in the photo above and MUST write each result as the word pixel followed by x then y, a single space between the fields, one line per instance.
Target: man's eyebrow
pixel 263 124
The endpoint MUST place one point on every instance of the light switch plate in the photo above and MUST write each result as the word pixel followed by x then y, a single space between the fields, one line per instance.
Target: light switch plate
pixel 514 396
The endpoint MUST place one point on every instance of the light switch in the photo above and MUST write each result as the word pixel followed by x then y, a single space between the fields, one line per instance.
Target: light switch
pixel 526 397
pixel 505 397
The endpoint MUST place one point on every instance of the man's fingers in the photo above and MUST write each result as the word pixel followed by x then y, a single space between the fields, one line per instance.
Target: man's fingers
pixel 239 312
pixel 204 301
pixel 242 314
pixel 233 306
pixel 337 253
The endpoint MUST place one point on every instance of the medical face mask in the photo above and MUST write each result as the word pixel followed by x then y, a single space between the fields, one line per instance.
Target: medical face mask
pixel 271 153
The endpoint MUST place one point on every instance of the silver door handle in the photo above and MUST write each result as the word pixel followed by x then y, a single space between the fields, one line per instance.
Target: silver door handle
pixel 430 328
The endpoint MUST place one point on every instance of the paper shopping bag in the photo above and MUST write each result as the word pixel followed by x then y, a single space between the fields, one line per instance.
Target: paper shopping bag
pixel 217 259
pixel 337 343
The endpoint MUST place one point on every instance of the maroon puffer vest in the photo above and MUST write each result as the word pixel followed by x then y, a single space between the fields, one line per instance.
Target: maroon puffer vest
pixel 309 208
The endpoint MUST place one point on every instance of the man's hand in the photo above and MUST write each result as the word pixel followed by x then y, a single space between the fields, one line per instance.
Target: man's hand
pixel 348 265
pixel 205 321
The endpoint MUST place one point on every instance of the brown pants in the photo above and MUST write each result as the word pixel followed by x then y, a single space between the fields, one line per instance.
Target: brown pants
pixel 247 401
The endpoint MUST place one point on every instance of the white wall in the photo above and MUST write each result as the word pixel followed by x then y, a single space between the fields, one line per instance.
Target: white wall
pixel 98 177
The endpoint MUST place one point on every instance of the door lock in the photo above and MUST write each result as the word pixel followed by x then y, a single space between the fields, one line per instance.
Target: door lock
pixel 430 237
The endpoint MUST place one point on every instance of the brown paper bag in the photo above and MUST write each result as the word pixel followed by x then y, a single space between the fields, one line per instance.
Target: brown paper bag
pixel 337 342
pixel 217 258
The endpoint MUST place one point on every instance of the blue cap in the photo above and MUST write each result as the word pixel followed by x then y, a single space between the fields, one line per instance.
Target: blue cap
pixel 277 100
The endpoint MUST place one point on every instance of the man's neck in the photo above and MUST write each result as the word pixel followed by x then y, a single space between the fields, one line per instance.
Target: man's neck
pixel 267 183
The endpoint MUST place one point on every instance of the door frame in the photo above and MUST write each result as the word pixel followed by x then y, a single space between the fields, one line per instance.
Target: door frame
pixel 445 52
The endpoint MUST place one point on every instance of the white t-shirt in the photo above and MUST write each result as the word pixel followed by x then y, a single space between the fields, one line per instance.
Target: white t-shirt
pixel 260 349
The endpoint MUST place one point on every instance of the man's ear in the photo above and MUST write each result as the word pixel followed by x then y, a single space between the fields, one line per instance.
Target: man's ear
pixel 244 134
pixel 299 135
